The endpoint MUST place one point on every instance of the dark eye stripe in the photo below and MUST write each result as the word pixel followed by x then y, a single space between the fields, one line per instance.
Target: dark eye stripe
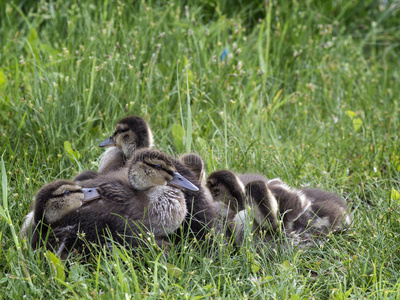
pixel 154 166
pixel 150 165
pixel 120 130
pixel 62 195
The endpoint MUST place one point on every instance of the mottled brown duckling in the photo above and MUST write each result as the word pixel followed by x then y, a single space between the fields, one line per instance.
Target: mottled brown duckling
pixel 131 133
pixel 225 186
pixel 327 213
pixel 202 211
pixel 63 228
pixel 313 211
pixel 55 202
pixel 139 198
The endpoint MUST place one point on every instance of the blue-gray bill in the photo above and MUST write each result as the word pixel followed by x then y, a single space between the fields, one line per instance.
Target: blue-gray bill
pixel 107 142
pixel 181 182
pixel 90 194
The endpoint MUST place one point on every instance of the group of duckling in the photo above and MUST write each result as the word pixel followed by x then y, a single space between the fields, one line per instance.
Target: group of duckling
pixel 139 193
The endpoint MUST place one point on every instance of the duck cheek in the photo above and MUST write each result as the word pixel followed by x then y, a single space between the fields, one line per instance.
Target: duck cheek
pixel 118 142
pixel 75 205
pixel 159 181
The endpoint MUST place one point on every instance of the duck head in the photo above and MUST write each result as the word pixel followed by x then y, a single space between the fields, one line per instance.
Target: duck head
pixel 226 187
pixel 150 168
pixel 59 198
pixel 131 133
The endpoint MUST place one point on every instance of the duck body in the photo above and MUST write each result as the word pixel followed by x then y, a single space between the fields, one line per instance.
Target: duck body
pixel 202 210
pixel 292 203
pixel 328 213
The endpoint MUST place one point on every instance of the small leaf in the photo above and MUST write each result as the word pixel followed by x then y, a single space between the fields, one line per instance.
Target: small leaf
pixel 178 134
pixel 255 266
pixel 277 95
pixel 73 155
pixel 348 293
pixel 394 195
pixel 2 79
pixel 285 267
pixel 268 278
pixel 174 270
pixel 357 123
pixel 58 267
pixel 350 113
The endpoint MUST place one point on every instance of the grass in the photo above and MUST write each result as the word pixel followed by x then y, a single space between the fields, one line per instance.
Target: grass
pixel 305 90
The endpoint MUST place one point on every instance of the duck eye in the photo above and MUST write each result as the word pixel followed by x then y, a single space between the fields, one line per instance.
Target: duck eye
pixel 158 167
pixel 119 130
pixel 66 193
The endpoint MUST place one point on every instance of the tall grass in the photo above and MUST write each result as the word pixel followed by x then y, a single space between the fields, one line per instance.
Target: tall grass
pixel 301 90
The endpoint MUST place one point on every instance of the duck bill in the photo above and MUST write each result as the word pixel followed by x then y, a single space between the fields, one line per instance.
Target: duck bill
pixel 108 142
pixel 89 194
pixel 181 182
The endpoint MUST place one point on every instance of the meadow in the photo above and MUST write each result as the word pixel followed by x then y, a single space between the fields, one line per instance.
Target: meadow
pixel 307 91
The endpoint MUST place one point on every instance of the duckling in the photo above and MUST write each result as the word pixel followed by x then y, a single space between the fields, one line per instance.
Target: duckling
pixel 327 213
pixel 225 186
pixel 59 205
pixel 63 225
pixel 144 195
pixel 151 187
pixel 131 133
pixel 59 199
pixel 291 203
pixel 314 211
pixel 56 201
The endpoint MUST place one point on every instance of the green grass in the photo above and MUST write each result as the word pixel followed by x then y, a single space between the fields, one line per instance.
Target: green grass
pixel 308 92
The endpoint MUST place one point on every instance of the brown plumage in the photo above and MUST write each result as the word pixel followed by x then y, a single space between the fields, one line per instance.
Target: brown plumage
pixel 131 134
pixel 140 198
pixel 129 138
pixel 328 213
pixel 226 187
pixel 253 203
